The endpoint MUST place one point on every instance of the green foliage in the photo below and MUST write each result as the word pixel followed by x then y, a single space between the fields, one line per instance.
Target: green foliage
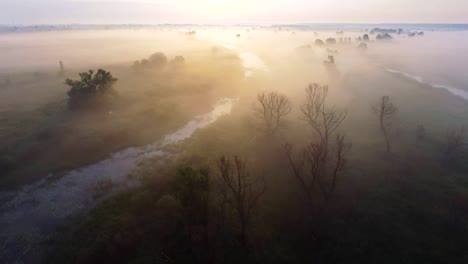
pixel 90 86
pixel 192 189
pixel 191 185
pixel 156 61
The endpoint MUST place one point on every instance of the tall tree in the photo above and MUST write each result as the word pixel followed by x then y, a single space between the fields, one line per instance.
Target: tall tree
pixel 322 120
pixel 272 108
pixel 243 190
pixel 320 164
pixel 385 111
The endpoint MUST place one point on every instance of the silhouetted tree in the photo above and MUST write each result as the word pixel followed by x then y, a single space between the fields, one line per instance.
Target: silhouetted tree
pixel 319 166
pixel 331 60
pixel 362 46
pixel 317 171
pixel 365 37
pixel 384 36
pixel 62 69
pixel 319 42
pixel 323 121
pixel 272 108
pixel 178 60
pixel 331 41
pixel 145 62
pixel 136 65
pixel 89 87
pixel 243 191
pixel 158 59
pixel 385 111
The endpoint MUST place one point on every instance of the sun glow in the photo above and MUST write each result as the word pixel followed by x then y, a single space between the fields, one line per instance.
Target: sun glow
pixel 216 8
pixel 220 2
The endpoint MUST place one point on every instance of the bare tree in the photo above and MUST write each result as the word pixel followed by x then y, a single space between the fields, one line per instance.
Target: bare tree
pixel 243 191
pixel 322 120
pixel 272 108
pixel 319 166
pixel 385 112
pixel 318 182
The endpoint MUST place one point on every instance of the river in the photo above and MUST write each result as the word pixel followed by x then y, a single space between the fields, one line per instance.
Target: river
pixel 33 212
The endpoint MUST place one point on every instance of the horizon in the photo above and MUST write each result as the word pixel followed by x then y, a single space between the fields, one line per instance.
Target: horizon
pixel 234 24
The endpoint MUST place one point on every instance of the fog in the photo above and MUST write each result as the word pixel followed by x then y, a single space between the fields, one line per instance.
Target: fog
pixel 172 100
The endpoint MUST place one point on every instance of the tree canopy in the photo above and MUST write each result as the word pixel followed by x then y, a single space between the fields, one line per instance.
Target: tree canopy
pixel 90 86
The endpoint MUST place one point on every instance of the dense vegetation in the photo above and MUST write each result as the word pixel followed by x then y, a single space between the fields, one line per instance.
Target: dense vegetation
pixel 284 198
pixel 92 87
pixel 63 127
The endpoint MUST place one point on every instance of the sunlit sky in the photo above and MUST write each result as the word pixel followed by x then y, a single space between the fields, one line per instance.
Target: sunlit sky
pixel 231 11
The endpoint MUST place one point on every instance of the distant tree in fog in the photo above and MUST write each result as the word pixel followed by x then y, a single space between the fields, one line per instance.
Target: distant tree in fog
pixel 158 59
pixel 242 191
pixel 145 62
pixel 319 42
pixel 331 41
pixel 271 109
pixel 90 87
pixel 384 36
pixel 362 46
pixel 62 69
pixel 385 111
pixel 136 65
pixel 331 60
pixel 191 33
pixel 178 62
pixel 365 37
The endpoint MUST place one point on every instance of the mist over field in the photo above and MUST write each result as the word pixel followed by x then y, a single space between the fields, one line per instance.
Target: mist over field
pixel 296 143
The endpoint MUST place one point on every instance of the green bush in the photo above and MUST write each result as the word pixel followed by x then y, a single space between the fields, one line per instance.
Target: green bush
pixel 89 88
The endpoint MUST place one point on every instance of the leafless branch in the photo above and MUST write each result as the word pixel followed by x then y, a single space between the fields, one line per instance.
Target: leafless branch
pixel 244 192
pixel 272 108
pixel 385 112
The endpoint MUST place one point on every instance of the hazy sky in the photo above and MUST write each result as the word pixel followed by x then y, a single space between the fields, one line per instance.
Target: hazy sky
pixel 231 11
